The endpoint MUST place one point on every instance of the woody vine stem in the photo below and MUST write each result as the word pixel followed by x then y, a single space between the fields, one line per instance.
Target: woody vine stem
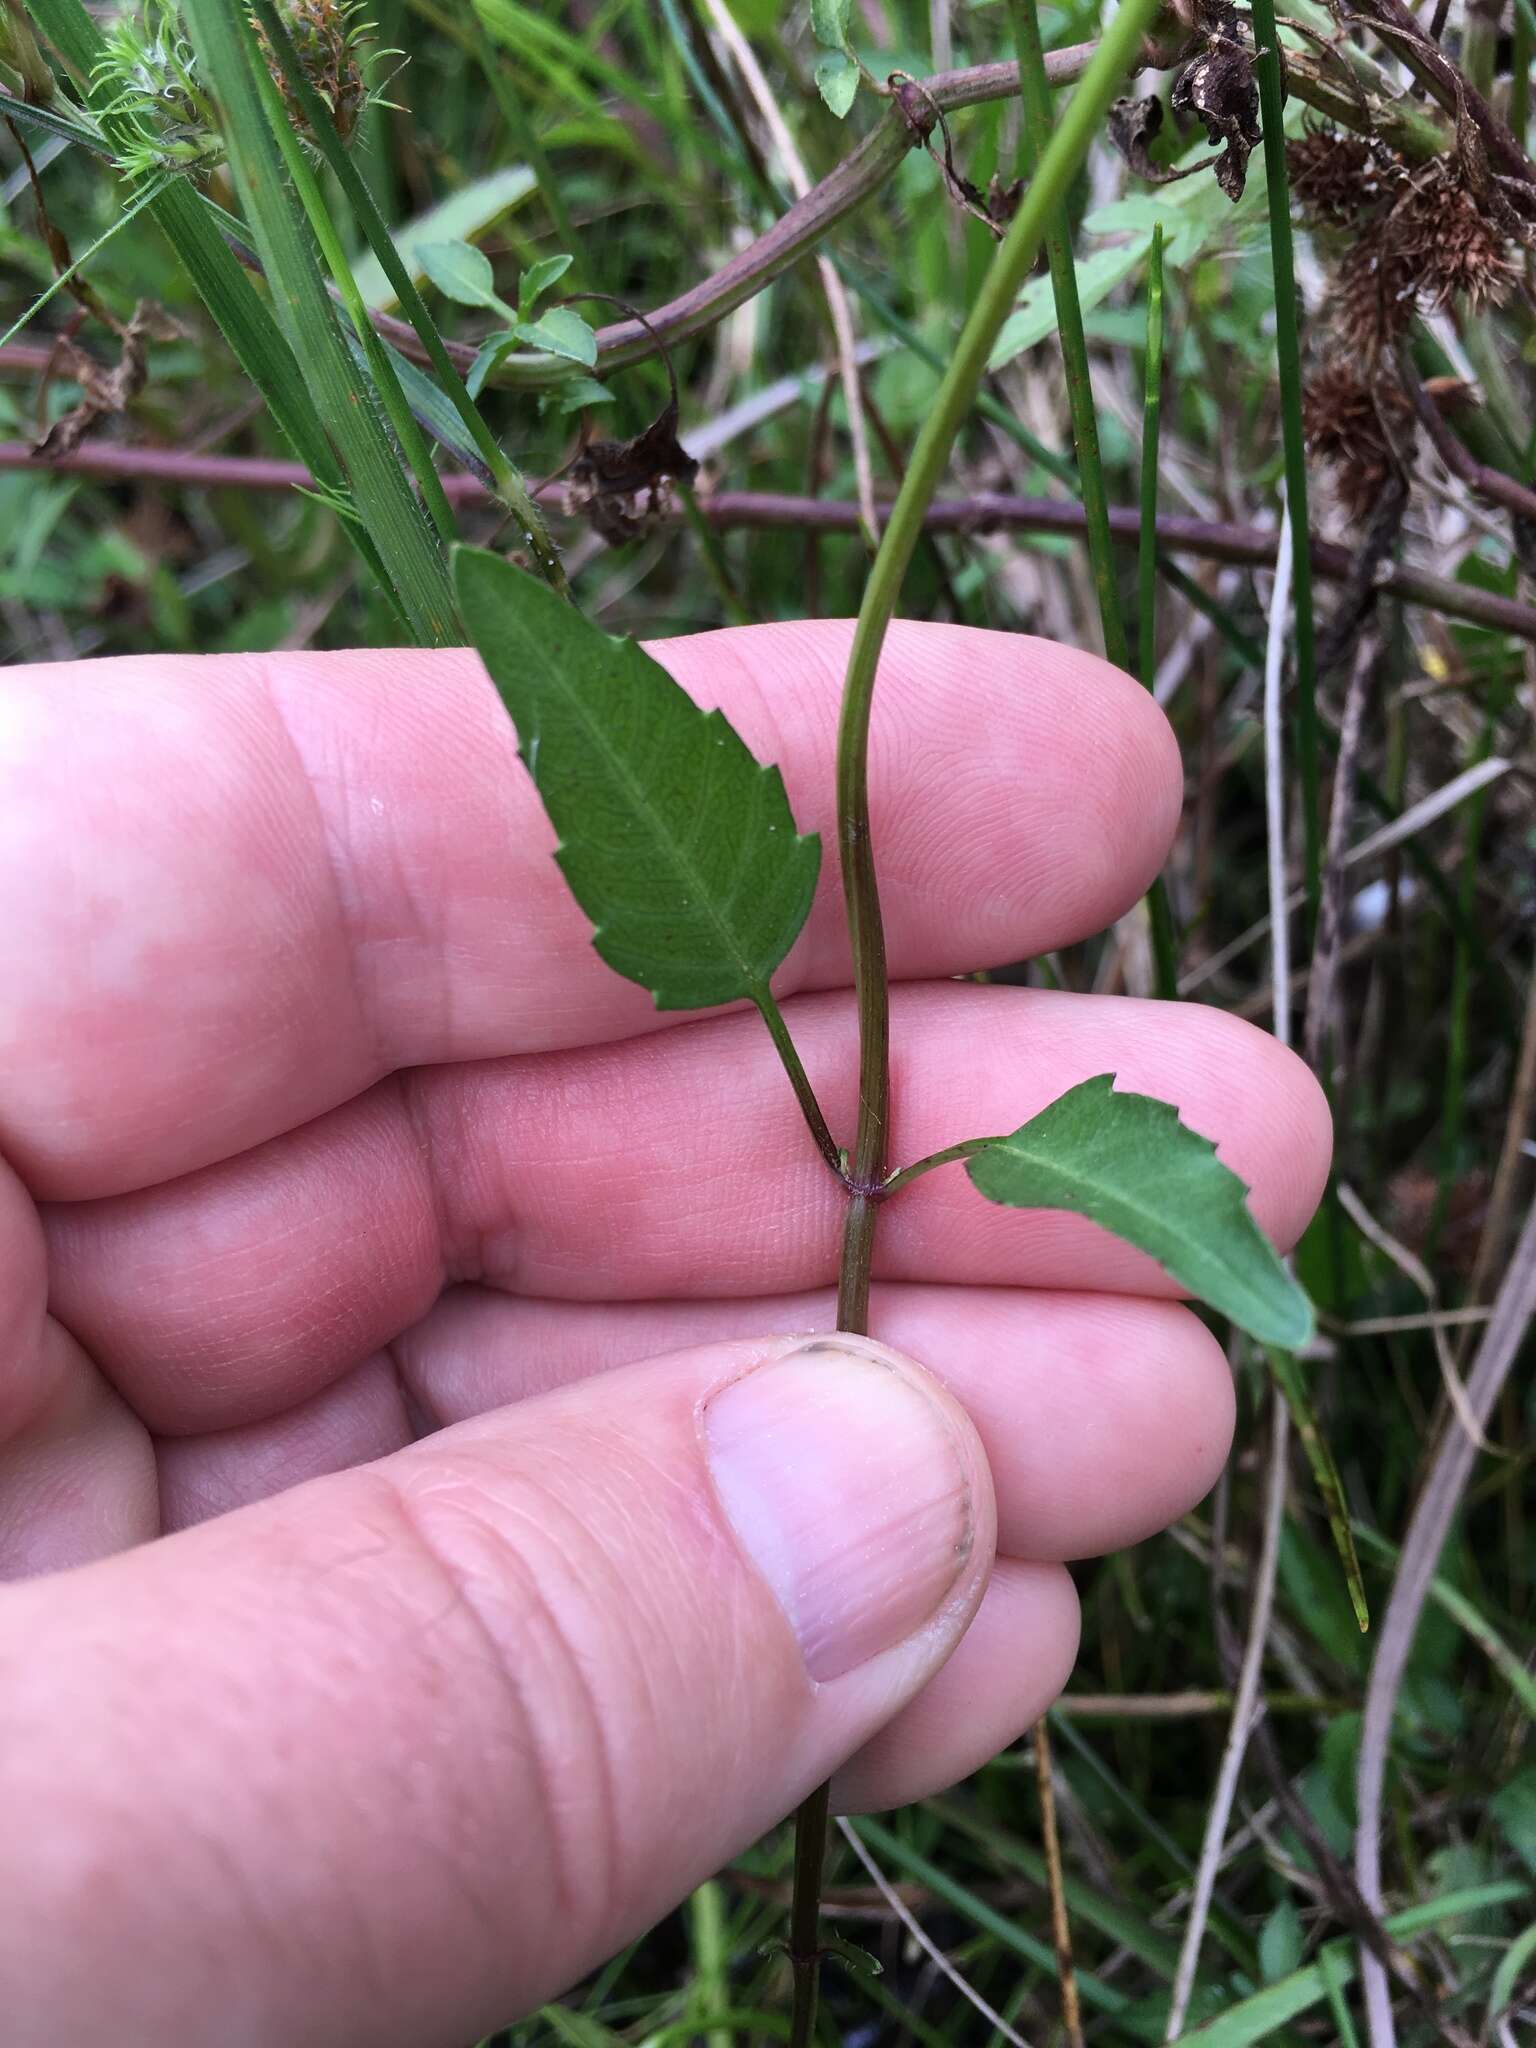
pixel 865 1174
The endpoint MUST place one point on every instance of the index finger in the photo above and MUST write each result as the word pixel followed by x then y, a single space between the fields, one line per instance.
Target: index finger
pixel 238 890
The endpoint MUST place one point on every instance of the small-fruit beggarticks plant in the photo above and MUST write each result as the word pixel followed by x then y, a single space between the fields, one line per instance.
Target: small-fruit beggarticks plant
pixel 682 850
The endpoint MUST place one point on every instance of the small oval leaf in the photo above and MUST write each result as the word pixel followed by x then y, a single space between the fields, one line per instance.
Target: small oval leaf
pixel 837 80
pixel 1128 1163
pixel 678 845
pixel 460 272
pixel 560 332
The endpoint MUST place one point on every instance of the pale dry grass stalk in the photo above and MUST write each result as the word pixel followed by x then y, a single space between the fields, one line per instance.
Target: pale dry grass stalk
pixel 1428 1528
pixel 838 307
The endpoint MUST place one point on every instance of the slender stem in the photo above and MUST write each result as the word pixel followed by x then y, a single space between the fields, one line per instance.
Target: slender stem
pixel 1151 430
pixel 1288 364
pixel 854 1267
pixel 805 1912
pixel 1165 952
pixel 1035 91
pixel 987 512
pixel 1061 1925
pixel 966 1150
pixel 799 1080
pixel 1010 265
pixel 708 538
pixel 706 1913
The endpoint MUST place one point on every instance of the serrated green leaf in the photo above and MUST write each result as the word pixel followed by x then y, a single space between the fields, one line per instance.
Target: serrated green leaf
pixel 678 845
pixel 829 22
pixel 461 273
pixel 561 332
pixel 1128 1163
pixel 837 80
pixel 537 279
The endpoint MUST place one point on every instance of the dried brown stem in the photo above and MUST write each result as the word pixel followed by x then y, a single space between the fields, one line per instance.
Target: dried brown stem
pixel 1491 484
pixel 987 512
pixel 1061 1925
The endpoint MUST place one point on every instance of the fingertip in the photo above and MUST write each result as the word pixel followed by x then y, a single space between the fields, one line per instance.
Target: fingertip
pixel 1283 1127
pixel 1012 1663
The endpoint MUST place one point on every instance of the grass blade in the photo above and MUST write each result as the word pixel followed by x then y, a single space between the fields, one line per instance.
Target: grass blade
pixel 1266 36
pixel 504 477
pixel 1325 1476
pixel 1151 426
pixel 1258 2018
pixel 238 309
pixel 1035 92
pixel 348 404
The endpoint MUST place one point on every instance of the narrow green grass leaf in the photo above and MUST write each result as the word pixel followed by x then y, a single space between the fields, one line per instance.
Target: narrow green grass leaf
pixel 892 1849
pixel 147 197
pixel 1260 2017
pixel 241 314
pixel 344 399
pixel 1151 435
pixel 408 390
pixel 1325 1475
pixel 1266 37
pixel 678 845
pixel 1128 1163
pixel 1519 1957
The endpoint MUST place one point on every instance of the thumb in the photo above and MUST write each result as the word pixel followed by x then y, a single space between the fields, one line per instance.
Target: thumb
pixel 402 1753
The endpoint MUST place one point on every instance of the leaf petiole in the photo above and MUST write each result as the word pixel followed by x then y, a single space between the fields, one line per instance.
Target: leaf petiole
pixel 799 1080
pixel 905 1175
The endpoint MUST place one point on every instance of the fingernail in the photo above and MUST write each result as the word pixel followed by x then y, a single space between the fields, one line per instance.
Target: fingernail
pixel 845 1483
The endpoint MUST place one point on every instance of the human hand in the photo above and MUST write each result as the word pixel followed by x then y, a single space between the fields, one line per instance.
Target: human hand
pixel 326 1129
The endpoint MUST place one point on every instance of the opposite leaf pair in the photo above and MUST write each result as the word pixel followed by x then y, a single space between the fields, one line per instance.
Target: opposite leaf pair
pixel 682 850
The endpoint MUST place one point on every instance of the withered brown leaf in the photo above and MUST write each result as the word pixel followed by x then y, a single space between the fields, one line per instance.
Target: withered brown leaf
pixel 103 390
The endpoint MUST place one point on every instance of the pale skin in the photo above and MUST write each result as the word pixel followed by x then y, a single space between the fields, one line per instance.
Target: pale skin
pixel 355 1213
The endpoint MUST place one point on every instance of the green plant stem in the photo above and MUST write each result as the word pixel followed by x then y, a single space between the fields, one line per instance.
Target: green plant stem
pixel 1035 91
pixel 713 551
pixel 805 1095
pixel 1151 430
pixel 1266 37
pixel 1010 264
pixel 706 1913
pixel 966 1150
pixel 1165 951
pixel 1035 128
